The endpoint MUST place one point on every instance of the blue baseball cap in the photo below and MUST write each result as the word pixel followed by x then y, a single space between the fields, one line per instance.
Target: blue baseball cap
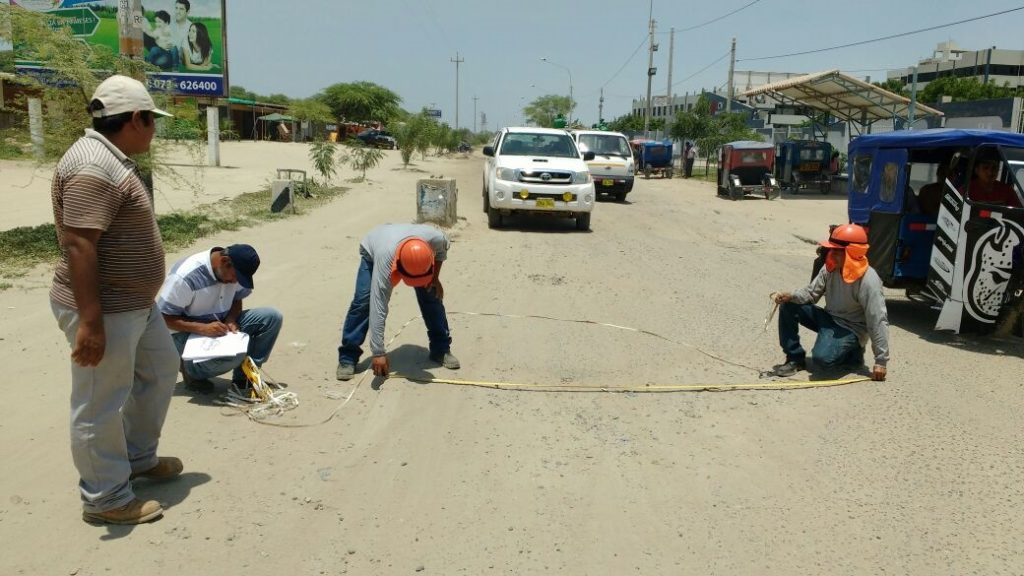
pixel 245 260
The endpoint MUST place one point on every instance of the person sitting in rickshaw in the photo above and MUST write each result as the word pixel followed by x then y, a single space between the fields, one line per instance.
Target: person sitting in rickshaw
pixel 985 188
pixel 854 310
pixel 930 197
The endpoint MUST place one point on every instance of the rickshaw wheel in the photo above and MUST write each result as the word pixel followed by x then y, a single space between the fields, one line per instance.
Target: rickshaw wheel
pixel 647 172
pixel 767 193
pixel 668 173
pixel 733 194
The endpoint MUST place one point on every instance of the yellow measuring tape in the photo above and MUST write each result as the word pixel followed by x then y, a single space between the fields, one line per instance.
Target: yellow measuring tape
pixel 772 385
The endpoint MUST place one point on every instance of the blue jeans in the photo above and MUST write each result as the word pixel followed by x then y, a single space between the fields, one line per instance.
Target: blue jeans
pixel 835 346
pixel 357 322
pixel 261 324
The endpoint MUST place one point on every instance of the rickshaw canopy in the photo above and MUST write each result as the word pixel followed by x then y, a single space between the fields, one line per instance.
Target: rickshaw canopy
pixel 750 145
pixel 935 138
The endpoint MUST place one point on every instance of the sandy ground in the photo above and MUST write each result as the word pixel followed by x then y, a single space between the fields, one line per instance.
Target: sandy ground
pixel 917 475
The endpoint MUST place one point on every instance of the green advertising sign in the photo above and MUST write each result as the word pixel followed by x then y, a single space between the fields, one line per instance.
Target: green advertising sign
pixel 81 21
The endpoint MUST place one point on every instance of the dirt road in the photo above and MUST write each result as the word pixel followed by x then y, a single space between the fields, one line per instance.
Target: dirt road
pixel 917 475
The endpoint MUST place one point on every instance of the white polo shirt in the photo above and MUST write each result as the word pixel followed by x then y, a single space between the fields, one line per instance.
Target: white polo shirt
pixel 192 291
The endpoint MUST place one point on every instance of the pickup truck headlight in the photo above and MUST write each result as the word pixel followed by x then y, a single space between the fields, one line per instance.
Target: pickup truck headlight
pixel 581 177
pixel 507 174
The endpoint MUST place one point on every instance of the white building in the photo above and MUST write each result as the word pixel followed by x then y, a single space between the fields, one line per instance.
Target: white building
pixel 948 59
pixel 742 80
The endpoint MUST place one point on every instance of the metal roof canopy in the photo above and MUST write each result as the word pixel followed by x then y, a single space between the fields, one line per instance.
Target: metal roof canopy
pixel 844 97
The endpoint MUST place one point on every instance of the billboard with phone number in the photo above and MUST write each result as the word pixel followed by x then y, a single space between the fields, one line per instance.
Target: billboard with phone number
pixel 182 40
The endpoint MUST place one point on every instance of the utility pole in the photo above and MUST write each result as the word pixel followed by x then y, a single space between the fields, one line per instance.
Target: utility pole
pixel 650 71
pixel 457 61
pixel 474 113
pixel 668 89
pixel 913 100
pixel 732 66
pixel 600 108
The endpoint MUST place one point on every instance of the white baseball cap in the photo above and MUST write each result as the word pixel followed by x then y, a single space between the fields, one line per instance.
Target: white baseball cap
pixel 119 94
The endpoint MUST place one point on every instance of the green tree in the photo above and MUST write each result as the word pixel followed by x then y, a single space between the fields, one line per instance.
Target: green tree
pixel 413 134
pixel 634 123
pixel 709 131
pixel 240 92
pixel 311 110
pixel 894 85
pixel 321 154
pixel 543 110
pixel 72 63
pixel 7 56
pixel 361 102
pixel 278 99
pixel 964 89
pixel 362 157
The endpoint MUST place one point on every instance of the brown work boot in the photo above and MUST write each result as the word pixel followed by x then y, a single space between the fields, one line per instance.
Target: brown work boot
pixel 135 512
pixel 167 467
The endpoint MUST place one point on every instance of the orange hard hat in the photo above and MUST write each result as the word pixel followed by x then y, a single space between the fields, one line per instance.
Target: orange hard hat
pixel 413 264
pixel 853 240
pixel 845 235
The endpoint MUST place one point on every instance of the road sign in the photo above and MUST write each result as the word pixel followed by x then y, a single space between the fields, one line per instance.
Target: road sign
pixel 82 21
pixel 433 113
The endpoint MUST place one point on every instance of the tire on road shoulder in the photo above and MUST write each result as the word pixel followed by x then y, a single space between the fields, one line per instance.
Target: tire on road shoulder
pixel 493 218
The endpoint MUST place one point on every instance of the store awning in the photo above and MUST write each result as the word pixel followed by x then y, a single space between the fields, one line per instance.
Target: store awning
pixel 844 97
pixel 275 117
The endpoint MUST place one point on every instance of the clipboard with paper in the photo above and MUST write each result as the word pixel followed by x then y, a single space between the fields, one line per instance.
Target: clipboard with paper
pixel 199 348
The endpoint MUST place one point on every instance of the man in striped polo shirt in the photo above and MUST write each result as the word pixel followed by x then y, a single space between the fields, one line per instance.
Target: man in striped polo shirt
pixel 203 295
pixel 124 365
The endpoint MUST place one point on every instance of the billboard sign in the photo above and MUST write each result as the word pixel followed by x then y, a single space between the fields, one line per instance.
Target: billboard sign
pixel 433 112
pixel 183 40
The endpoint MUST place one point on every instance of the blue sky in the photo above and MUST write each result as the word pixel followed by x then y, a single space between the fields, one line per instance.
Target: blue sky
pixel 298 47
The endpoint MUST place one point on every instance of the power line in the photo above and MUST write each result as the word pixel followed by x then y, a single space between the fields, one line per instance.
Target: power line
pixel 643 40
pixel 628 60
pixel 713 20
pixel 890 37
pixel 704 69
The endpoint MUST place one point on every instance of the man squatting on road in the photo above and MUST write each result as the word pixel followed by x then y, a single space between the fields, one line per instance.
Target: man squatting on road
pixel 854 310
pixel 203 295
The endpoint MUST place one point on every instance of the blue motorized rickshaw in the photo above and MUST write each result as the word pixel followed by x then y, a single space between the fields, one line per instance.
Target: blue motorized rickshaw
pixel 653 157
pixel 944 218
pixel 803 164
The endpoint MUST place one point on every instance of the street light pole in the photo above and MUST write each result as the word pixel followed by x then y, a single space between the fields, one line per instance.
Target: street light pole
pixel 572 103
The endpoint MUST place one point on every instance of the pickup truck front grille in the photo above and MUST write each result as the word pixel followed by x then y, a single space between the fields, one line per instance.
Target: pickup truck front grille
pixel 551 177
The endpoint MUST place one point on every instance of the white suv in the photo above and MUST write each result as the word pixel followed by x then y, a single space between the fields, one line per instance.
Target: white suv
pixel 537 170
pixel 612 168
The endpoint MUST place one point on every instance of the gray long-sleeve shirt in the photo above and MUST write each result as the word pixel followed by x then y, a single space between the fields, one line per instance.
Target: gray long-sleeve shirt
pixel 379 247
pixel 858 307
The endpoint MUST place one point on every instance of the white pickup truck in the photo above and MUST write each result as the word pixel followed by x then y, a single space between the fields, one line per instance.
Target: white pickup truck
pixel 537 170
